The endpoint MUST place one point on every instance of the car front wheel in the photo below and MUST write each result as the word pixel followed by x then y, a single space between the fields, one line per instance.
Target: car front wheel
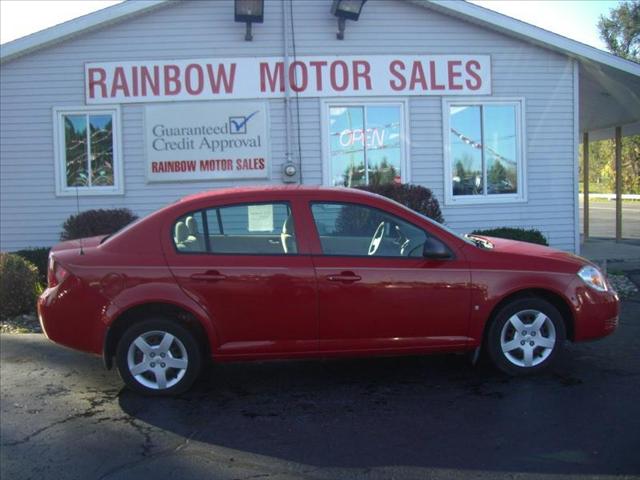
pixel 526 336
pixel 158 357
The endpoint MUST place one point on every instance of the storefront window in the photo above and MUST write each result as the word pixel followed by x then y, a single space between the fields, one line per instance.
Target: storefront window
pixel 365 144
pixel 485 159
pixel 87 152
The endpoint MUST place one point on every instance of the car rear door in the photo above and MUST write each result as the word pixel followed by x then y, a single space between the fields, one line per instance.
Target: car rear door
pixel 247 266
pixel 391 298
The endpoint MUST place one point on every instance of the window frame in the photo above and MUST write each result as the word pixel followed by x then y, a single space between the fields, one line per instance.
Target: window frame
pixel 426 232
pixel 62 190
pixel 205 226
pixel 327 104
pixel 520 127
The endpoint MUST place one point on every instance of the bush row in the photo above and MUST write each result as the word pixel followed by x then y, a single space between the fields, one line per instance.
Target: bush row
pixel 19 285
pixel 23 274
pixel 531 235
pixel 96 222
pixel 415 197
pixel 421 200
pixel 39 257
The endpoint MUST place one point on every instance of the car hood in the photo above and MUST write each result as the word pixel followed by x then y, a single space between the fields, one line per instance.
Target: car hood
pixel 539 255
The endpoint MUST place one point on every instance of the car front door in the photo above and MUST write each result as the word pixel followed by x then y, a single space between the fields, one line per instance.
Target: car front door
pixel 244 264
pixel 376 290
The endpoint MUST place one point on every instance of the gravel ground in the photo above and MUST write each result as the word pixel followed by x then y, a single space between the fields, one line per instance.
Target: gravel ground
pixel 623 285
pixel 21 324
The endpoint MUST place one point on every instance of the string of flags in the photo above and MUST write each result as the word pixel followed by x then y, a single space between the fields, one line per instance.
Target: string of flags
pixel 477 145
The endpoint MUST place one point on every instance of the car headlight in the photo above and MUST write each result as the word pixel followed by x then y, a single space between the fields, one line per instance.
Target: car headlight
pixel 593 278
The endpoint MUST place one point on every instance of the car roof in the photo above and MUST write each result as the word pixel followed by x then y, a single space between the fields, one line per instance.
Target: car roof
pixel 138 233
pixel 264 191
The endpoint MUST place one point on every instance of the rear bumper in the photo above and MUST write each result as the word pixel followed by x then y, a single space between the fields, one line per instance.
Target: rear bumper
pixel 70 314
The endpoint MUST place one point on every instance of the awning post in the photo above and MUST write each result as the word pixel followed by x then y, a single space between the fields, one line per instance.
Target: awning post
pixel 618 183
pixel 585 183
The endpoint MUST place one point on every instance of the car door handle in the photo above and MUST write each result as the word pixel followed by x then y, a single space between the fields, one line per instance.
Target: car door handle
pixel 346 277
pixel 208 276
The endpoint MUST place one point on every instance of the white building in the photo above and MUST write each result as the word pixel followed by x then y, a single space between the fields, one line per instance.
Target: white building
pixel 147 101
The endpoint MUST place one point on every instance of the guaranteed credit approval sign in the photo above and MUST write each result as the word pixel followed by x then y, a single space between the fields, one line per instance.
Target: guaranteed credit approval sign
pixel 207 140
pixel 225 78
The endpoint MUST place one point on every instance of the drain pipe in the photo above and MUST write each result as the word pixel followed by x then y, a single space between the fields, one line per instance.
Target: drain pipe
pixel 290 173
pixel 287 87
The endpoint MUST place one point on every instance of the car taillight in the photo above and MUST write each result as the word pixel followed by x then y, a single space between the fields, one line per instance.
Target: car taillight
pixel 56 274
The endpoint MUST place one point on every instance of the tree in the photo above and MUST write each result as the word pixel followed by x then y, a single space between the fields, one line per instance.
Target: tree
pixel 620 30
pixel 379 174
pixel 602 165
pixel 496 176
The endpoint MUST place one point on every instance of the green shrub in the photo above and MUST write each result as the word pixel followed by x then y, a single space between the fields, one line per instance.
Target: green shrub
pixel 531 236
pixel 415 197
pixel 96 222
pixel 39 257
pixel 19 285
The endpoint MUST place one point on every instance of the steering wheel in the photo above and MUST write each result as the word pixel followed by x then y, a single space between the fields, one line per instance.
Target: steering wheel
pixel 400 240
pixel 414 249
pixel 404 248
pixel 376 239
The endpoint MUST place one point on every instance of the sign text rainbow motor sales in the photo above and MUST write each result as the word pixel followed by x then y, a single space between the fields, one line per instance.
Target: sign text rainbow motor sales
pixel 265 77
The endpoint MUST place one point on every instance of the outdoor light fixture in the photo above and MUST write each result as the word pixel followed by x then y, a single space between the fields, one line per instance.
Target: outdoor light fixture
pixel 346 10
pixel 248 12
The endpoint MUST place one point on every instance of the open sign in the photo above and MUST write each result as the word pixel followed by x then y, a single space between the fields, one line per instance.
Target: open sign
pixel 369 138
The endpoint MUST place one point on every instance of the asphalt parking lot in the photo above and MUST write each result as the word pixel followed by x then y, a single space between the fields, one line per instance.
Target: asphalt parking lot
pixel 64 417
pixel 602 219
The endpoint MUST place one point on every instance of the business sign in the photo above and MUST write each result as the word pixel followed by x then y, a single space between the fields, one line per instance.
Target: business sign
pixel 238 78
pixel 206 141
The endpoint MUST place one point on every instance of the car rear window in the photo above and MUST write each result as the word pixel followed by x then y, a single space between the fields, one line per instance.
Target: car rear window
pixel 250 229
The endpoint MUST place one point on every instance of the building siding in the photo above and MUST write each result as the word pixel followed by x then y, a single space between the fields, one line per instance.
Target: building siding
pixel 30 86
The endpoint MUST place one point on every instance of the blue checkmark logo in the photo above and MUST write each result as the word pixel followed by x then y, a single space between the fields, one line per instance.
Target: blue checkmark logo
pixel 239 124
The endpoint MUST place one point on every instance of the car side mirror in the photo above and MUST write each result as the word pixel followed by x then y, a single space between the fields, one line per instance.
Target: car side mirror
pixel 434 249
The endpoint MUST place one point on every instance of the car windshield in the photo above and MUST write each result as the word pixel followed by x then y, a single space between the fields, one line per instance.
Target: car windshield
pixel 465 238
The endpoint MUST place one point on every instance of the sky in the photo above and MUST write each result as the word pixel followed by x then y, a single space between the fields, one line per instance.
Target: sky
pixel 576 19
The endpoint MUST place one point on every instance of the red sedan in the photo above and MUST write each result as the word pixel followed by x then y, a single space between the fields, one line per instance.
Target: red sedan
pixel 291 272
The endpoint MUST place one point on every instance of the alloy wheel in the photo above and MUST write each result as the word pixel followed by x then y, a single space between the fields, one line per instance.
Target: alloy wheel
pixel 157 359
pixel 528 338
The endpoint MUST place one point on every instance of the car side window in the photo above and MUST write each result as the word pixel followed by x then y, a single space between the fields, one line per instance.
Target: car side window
pixel 357 230
pixel 188 234
pixel 258 229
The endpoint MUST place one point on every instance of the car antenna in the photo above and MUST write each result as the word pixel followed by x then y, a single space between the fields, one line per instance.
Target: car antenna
pixel 78 212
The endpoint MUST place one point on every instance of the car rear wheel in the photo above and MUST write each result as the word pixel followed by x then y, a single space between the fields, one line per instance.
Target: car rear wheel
pixel 158 357
pixel 526 336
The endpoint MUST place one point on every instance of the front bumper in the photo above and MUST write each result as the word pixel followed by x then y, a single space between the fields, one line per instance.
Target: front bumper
pixel 596 313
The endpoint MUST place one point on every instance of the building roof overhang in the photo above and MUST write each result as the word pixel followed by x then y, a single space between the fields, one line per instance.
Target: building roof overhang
pixel 609 86
pixel 77 26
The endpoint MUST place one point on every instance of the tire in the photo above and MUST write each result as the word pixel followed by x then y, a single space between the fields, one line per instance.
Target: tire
pixel 158 357
pixel 532 346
